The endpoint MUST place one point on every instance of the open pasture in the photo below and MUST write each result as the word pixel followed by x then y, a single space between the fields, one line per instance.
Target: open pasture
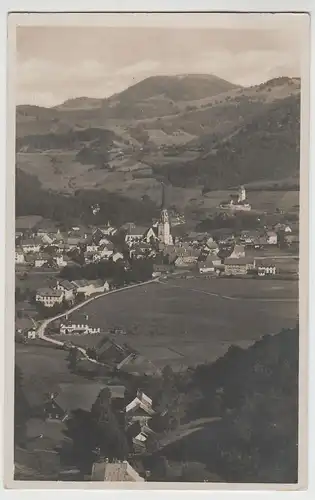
pixel 186 322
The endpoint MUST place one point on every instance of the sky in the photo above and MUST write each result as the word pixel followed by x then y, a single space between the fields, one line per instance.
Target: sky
pixel 58 60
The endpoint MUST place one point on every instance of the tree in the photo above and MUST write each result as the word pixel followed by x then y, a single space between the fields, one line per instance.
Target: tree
pixel 112 440
pixel 73 359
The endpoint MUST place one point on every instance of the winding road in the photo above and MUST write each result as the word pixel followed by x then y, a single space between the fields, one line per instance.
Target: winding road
pixel 42 328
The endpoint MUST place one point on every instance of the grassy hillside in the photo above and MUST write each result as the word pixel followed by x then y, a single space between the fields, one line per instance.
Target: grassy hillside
pixel 198 131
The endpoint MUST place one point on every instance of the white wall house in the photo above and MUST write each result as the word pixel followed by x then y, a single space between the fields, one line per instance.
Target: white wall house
pixel 73 328
pixel 67 288
pixel 272 238
pixel 89 288
pixel 49 297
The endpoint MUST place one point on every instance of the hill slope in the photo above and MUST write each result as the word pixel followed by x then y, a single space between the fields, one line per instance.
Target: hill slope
pixel 197 131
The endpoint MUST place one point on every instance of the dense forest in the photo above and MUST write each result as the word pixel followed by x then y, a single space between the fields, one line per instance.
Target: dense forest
pixel 31 199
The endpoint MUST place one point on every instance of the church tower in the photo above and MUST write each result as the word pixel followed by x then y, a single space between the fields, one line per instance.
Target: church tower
pixel 164 230
pixel 241 194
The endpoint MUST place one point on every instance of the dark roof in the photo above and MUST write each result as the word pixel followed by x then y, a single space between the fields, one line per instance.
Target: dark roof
pixel 241 261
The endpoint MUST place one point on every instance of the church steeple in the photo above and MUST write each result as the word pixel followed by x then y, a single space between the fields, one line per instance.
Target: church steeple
pixel 164 233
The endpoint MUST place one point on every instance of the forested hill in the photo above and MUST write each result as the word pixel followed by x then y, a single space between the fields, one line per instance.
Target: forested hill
pixel 31 199
pixel 254 391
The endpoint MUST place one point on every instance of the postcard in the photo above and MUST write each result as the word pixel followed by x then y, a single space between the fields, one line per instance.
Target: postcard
pixel 158 217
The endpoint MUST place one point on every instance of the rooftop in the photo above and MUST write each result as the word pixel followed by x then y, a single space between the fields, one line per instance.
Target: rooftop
pixel 48 292
pixel 118 471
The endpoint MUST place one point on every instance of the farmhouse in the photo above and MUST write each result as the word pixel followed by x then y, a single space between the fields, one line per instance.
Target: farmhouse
pixel 89 288
pixel 77 328
pixel 114 471
pixel 117 256
pixel 49 297
pixel 140 409
pixel 25 327
pixel 241 265
pixel 67 288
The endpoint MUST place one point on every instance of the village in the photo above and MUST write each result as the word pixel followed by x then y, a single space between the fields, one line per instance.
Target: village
pixel 83 264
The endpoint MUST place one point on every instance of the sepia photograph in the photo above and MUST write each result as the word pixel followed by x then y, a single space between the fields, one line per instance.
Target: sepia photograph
pixel 160 206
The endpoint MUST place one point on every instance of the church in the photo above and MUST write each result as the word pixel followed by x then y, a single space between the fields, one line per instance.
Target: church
pixel 161 230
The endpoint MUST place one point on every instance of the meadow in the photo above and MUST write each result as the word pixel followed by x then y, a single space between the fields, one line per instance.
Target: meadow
pixel 187 322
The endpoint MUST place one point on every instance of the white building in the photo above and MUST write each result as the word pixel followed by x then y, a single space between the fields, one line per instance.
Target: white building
pixel 49 297
pixel 68 289
pixel 89 288
pixel 19 256
pixel 31 245
pixel 77 328
pixel 272 238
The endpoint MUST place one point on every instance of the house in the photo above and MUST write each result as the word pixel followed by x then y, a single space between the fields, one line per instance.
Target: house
pixel 186 256
pixel 134 234
pixel 266 268
pixel 106 250
pixel 238 266
pixel 69 289
pixel 117 256
pixel 140 409
pixel 206 267
pixel 92 247
pixel 78 328
pixel 26 327
pixel 31 245
pixel 61 260
pixel 19 256
pixel 74 242
pixel 91 287
pixel 41 259
pixel 159 269
pixel 238 252
pixel 49 297
pixel 272 238
pixel 114 471
pixel 47 238
pixel 212 247
pixel 69 397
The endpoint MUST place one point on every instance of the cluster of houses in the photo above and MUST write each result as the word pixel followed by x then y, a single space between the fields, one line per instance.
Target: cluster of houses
pixel 133 413
pixel 39 247
pixel 69 290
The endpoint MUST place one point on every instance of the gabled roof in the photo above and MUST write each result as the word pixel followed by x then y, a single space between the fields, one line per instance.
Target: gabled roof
pixel 67 285
pixel 119 471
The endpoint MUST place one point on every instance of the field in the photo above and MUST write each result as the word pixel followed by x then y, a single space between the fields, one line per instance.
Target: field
pixel 186 322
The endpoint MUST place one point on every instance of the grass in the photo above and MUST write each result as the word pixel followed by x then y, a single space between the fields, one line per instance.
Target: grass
pixel 181 323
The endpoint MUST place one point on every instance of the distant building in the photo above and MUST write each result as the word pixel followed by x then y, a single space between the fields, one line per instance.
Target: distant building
pixel 31 245
pixel 237 202
pixel 140 409
pixel 272 238
pixel 69 289
pixel 49 297
pixel 19 256
pixel 266 268
pixel 77 328
pixel 91 287
pixel 238 252
pixel 235 266
pixel 25 327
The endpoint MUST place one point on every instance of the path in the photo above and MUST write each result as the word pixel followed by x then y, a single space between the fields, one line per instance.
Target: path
pixel 42 328
pixel 228 297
